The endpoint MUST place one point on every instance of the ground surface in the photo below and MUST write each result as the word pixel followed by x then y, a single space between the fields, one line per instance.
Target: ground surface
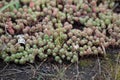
pixel 87 68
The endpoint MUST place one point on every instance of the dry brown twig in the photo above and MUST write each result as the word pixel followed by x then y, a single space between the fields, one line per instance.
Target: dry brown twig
pixel 77 76
pixel 99 65
pixel 33 69
pixel 117 69
pixel 103 49
pixel 4 68
pixel 41 64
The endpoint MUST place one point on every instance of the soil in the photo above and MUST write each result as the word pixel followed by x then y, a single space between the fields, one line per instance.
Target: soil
pixel 87 68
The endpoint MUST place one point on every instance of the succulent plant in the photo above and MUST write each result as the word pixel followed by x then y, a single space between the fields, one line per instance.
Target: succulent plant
pixel 60 29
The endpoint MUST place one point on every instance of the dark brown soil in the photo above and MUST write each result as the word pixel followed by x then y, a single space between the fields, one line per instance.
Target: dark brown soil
pixel 88 68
